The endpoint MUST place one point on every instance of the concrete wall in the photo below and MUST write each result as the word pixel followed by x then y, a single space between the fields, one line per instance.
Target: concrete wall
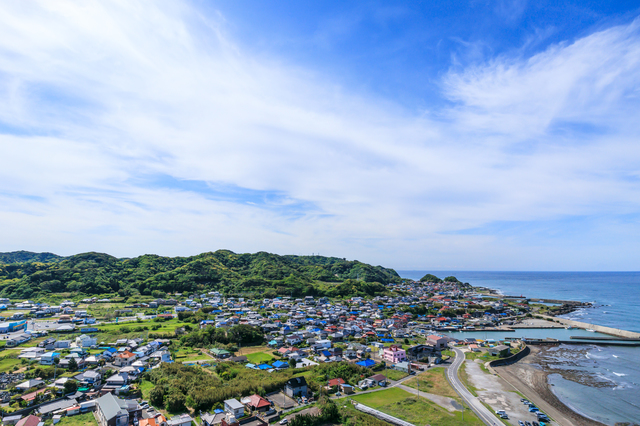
pixel 598 328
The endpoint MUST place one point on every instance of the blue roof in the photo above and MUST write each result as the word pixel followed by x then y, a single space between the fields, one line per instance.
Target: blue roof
pixel 280 364
pixel 265 367
pixel 218 410
pixel 387 340
pixel 251 366
pixel 326 353
pixel 366 363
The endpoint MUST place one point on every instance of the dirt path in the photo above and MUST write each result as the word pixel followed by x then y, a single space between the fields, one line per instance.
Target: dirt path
pixel 528 379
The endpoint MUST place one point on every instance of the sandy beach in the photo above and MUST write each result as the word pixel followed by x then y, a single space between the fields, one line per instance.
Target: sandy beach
pixel 529 379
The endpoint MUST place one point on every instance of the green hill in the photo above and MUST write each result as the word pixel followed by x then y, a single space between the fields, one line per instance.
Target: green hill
pixel 33 275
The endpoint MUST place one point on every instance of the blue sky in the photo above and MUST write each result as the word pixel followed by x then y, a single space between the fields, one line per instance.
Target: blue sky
pixel 497 135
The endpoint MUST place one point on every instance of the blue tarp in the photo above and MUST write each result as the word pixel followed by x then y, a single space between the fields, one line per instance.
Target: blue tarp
pixel 265 367
pixel 387 340
pixel 280 364
pixel 366 363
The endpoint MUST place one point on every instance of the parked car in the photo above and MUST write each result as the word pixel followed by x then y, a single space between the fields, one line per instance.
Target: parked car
pixel 284 421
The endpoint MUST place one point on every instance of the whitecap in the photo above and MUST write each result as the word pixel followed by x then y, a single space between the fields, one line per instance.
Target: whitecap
pixel 619 374
pixel 615 356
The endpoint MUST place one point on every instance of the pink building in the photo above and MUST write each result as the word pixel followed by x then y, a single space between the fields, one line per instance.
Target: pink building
pixel 394 354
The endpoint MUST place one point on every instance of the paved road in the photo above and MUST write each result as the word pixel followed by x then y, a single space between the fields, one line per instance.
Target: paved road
pixel 481 411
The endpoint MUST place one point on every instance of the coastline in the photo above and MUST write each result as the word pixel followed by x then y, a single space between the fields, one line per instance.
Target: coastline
pixel 529 379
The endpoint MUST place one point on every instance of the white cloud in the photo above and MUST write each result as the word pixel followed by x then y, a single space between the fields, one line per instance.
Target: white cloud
pixel 103 95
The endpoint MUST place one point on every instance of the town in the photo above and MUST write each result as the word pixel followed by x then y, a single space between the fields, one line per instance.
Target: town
pixel 110 362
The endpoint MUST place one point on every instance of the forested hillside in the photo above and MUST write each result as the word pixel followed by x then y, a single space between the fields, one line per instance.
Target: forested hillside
pixel 32 275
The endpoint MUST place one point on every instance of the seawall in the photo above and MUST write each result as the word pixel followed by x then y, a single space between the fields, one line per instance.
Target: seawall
pixel 594 327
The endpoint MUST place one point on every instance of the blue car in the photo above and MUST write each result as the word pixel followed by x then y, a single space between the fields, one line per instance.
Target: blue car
pixel 533 409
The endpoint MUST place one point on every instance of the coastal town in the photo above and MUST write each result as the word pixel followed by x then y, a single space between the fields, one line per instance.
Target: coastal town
pixel 97 359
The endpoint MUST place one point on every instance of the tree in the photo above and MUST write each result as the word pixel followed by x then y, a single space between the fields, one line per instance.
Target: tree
pixel 156 396
pixel 451 279
pixel 70 386
pixel 73 364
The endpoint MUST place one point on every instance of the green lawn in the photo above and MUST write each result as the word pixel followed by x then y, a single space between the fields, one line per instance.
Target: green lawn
pixel 86 419
pixel 260 358
pixel 408 407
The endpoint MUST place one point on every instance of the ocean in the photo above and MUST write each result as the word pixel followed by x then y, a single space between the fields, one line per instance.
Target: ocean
pixel 602 382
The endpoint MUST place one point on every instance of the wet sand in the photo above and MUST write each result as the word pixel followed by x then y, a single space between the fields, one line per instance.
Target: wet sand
pixel 529 379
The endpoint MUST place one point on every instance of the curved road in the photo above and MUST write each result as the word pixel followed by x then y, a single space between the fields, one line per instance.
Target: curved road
pixel 481 411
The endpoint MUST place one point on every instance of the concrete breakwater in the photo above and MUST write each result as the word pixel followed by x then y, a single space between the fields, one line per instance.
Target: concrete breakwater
pixel 599 328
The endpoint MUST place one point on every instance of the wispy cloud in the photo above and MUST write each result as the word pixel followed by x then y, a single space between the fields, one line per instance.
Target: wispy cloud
pixel 142 127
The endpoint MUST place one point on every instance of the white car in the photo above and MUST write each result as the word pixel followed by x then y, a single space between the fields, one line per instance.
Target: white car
pixel 284 421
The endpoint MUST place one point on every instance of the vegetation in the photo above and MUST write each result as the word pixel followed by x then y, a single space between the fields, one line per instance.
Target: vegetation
pixel 399 403
pixel 430 278
pixel 34 275
pixel 433 381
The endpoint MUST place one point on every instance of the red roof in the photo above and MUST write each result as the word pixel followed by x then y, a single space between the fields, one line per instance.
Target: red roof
pixel 30 420
pixel 258 402
pixel 336 382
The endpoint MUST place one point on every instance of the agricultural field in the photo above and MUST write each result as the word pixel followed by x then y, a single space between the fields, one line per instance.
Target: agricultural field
pixel 260 358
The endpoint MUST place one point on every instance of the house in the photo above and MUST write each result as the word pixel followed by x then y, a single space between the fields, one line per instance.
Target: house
pixel 49 358
pixel 181 420
pixel 220 353
pixel 32 383
pixel 124 359
pixel 296 386
pixel 474 348
pixel 420 352
pixel 347 389
pixel 89 378
pixel 394 354
pixel 403 366
pixel 30 420
pixel 234 407
pixel 86 341
pixel 335 382
pixel 257 403
pixel 118 380
pixel 378 379
pixel 439 342
pixel 113 411
pixel 160 420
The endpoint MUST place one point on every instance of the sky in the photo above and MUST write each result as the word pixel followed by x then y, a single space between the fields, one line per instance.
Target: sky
pixel 452 135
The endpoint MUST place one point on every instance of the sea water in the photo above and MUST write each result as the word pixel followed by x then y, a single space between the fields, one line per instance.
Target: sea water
pixel 602 382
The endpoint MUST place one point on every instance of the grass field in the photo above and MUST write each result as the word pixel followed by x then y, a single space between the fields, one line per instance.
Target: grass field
pixel 145 388
pixel 395 374
pixel 433 381
pixel 408 407
pixel 86 419
pixel 259 357
pixel 381 398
